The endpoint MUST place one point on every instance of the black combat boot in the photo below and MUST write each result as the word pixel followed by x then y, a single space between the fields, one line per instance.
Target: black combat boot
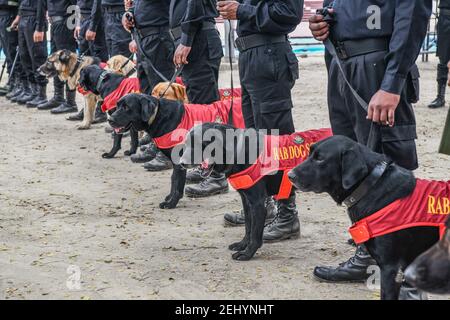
pixel 99 115
pixel 79 116
pixel 145 156
pixel 213 185
pixel 40 98
pixel 159 163
pixel 18 88
pixel 408 292
pixel 146 139
pixel 69 106
pixel 57 100
pixel 25 95
pixel 238 219
pixel 286 224
pixel 353 270
pixel 194 176
pixel 7 88
pixel 439 102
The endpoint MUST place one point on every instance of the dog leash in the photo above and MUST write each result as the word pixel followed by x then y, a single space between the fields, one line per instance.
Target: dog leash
pixel 230 47
pixel 130 58
pixel 172 80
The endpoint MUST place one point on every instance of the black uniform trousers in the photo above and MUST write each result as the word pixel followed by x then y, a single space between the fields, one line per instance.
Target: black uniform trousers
pixel 9 40
pixel 160 49
pixel 348 118
pixel 443 46
pixel 117 38
pixel 268 74
pixel 201 74
pixel 32 55
pixel 61 38
pixel 96 48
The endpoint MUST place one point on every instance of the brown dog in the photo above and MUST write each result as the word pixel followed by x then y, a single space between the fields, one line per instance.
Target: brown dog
pixel 175 92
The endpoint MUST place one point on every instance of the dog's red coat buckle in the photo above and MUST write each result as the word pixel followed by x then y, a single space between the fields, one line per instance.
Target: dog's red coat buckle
pixel 360 232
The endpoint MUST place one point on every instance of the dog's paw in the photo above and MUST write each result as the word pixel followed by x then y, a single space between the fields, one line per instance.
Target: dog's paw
pixel 84 126
pixel 107 155
pixel 242 255
pixel 170 204
pixel 238 246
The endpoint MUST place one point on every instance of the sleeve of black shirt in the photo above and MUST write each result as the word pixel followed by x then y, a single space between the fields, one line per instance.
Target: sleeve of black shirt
pixel 410 27
pixel 41 15
pixel 192 20
pixel 96 15
pixel 277 16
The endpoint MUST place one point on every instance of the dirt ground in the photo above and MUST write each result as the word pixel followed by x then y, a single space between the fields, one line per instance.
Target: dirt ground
pixel 76 226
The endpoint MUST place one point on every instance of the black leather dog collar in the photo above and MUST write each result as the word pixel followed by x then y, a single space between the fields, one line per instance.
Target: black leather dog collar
pixel 77 65
pixel 101 78
pixel 367 184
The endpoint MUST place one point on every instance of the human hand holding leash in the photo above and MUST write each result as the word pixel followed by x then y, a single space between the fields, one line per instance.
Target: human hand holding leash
pixel 128 21
pixel 91 35
pixel 76 32
pixel 38 36
pixel 133 47
pixel 181 54
pixel 319 27
pixel 382 108
pixel 228 9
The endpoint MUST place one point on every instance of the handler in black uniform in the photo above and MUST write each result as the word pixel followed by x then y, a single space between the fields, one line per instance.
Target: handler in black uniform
pixel 117 38
pixel 9 41
pixel 378 50
pixel 32 50
pixel 61 34
pixel 90 32
pixel 199 49
pixel 268 70
pixel 443 52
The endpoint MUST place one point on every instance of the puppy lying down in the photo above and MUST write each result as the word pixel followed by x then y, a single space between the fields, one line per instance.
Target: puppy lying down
pixel 395 215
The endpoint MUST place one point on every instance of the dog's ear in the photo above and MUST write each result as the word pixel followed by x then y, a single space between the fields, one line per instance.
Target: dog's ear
pixel 353 168
pixel 149 107
pixel 64 56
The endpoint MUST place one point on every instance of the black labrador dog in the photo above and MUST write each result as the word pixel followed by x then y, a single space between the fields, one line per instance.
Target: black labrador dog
pixel 90 81
pixel 339 166
pixel 237 150
pixel 430 272
pixel 157 117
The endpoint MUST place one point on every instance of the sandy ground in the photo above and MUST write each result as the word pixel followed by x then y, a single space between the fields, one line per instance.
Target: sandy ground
pixel 75 226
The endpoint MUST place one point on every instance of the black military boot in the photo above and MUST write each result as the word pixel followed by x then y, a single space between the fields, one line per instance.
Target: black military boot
pixel 238 219
pixel 18 87
pixel 26 94
pixel 57 100
pixel 286 224
pixel 4 90
pixel 40 98
pixel 145 156
pixel 439 102
pixel 69 106
pixel 214 184
pixel 99 115
pixel 159 163
pixel 353 270
pixel 77 117
pixel 408 292
pixel 146 139
pixel 194 176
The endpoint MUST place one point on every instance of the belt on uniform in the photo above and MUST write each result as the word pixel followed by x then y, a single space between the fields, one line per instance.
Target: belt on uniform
pixel 55 19
pixel 114 9
pixel 176 32
pixel 149 31
pixel 352 48
pixel 27 13
pixel 444 12
pixel 8 12
pixel 258 40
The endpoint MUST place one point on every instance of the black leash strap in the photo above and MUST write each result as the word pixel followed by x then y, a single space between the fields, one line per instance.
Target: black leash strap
pixel 172 80
pixel 230 47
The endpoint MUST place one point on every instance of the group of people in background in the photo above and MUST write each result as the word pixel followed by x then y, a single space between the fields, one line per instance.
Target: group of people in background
pixel 166 34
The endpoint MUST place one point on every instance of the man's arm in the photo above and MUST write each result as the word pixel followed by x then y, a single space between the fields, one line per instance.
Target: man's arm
pixel 273 16
pixel 96 15
pixel 41 15
pixel 410 27
pixel 192 20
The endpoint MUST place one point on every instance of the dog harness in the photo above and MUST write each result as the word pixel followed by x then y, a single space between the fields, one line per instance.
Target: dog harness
pixel 195 114
pixel 128 85
pixel 427 206
pixel 102 65
pixel 281 153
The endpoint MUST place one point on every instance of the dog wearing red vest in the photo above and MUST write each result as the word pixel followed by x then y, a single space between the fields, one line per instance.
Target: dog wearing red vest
pixel 167 123
pixel 397 216
pixel 255 164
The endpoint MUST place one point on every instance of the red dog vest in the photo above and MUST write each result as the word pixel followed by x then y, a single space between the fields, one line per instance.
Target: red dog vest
pixel 195 114
pixel 128 85
pixel 281 153
pixel 427 206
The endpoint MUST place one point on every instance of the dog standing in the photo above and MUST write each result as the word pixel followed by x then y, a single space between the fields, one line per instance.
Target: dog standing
pixel 395 215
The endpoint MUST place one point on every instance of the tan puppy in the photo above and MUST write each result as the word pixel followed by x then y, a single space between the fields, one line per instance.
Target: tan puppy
pixel 175 92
